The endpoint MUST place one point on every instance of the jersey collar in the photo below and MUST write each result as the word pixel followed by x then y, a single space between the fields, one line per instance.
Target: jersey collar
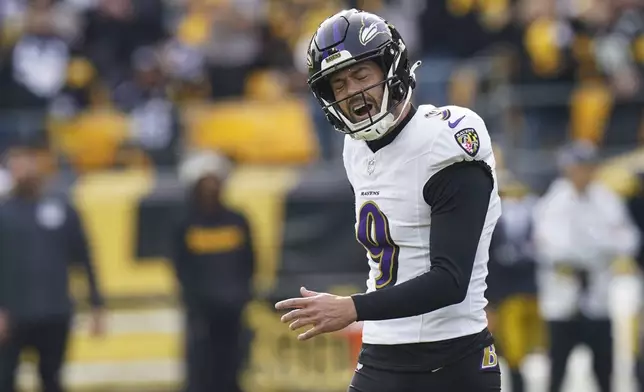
pixel 384 141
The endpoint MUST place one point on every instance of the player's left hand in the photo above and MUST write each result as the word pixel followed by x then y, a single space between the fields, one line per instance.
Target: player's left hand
pixel 325 312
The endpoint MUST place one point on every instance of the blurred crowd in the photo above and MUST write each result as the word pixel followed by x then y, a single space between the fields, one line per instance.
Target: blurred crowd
pixel 542 70
pixel 105 84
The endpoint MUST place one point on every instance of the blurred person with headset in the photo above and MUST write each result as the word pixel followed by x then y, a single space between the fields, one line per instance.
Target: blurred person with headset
pixel 512 289
pixel 214 263
pixel 41 235
pixel 580 228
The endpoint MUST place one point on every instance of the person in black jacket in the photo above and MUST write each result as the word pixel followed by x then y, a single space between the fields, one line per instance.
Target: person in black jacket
pixel 213 260
pixel 40 236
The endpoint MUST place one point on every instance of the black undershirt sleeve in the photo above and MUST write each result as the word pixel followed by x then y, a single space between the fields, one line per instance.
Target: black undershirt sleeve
pixel 459 196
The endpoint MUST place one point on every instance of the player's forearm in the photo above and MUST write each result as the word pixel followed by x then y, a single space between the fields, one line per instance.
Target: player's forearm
pixel 445 284
pixel 430 291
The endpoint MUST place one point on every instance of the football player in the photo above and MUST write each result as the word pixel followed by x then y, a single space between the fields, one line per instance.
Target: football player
pixel 426 206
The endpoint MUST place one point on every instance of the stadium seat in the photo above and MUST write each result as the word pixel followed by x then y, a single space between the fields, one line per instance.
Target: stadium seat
pixel 89 141
pixel 279 131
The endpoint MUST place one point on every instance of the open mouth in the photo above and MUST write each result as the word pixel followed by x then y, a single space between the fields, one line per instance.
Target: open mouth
pixel 361 110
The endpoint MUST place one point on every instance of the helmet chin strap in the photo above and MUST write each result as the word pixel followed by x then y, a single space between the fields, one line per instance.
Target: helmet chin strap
pixel 386 124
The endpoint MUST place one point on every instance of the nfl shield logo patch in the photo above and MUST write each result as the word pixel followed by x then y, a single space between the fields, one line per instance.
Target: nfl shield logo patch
pixel 371 166
pixel 468 139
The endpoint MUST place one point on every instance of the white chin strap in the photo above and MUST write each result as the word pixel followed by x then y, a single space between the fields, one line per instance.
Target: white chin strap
pixel 386 122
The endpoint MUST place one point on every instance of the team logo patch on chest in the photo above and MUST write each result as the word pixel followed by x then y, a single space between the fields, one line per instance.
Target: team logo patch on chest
pixel 468 139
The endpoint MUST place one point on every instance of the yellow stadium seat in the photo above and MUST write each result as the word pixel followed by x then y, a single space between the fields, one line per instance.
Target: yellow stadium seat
pixel 277 131
pixel 90 141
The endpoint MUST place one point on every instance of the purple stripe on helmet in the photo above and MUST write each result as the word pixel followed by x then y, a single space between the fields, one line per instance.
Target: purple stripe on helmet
pixel 321 44
pixel 325 39
pixel 336 36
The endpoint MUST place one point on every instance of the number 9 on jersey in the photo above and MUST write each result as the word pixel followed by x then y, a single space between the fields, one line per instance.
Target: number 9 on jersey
pixel 374 234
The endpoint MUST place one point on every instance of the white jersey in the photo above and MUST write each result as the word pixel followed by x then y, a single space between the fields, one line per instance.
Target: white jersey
pixel 393 221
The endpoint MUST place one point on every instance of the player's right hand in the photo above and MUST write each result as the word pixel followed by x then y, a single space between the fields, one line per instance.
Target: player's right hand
pixel 323 312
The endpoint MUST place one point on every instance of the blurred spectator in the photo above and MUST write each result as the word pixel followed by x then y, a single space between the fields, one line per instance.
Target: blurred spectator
pixel 228 35
pixel 275 56
pixel 214 263
pixel 580 228
pixel 569 70
pixel 544 38
pixel 402 14
pixel 442 50
pixel 154 117
pixel 34 72
pixel 40 236
pixel 636 208
pixel 6 183
pixel 78 93
pixel 329 141
pixel 620 26
pixel 618 52
pixel 512 286
pixel 185 66
pixel 115 29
